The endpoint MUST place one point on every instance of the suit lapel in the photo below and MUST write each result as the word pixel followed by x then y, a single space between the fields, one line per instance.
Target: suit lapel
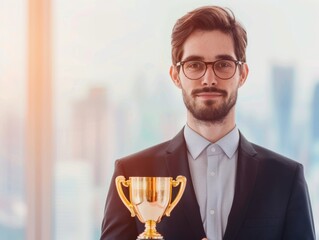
pixel 245 181
pixel 177 164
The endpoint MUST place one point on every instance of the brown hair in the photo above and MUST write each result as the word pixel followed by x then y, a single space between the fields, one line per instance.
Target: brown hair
pixel 208 18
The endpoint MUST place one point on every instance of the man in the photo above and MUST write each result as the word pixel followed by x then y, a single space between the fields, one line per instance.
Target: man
pixel 235 189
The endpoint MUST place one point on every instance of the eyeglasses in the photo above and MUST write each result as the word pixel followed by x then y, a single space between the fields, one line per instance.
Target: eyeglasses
pixel 223 69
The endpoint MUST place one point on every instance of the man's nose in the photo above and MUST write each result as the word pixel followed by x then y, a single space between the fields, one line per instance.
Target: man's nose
pixel 209 77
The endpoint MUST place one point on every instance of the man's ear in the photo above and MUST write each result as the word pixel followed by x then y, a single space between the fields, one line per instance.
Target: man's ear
pixel 173 72
pixel 243 74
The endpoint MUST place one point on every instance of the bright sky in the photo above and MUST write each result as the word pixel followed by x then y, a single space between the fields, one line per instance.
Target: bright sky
pixel 112 43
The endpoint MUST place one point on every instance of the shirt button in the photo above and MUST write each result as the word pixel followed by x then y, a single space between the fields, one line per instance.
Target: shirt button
pixel 212 173
pixel 212 212
pixel 213 149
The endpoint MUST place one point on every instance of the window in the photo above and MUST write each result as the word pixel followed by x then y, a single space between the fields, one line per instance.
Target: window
pixel 106 93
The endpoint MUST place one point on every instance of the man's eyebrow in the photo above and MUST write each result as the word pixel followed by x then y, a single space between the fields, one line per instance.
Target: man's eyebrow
pixel 193 58
pixel 225 56
pixel 218 57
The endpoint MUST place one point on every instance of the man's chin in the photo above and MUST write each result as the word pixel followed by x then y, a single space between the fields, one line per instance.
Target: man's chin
pixel 210 113
pixel 210 103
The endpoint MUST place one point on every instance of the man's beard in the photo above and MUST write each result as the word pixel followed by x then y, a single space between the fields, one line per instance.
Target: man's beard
pixel 212 112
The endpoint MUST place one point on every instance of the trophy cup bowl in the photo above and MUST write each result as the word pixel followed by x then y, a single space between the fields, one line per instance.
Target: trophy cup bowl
pixel 150 198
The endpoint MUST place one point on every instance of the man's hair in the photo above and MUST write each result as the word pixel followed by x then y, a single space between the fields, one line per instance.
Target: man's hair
pixel 208 18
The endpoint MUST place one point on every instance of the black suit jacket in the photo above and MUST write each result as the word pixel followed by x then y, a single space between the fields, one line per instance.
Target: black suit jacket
pixel 271 200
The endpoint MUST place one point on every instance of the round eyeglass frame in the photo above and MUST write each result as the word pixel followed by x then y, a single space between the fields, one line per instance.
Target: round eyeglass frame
pixel 237 62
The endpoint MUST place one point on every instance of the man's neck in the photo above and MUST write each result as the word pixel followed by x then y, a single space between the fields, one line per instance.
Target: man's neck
pixel 212 131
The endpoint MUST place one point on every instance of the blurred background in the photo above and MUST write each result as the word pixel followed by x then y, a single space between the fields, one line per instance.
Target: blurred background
pixel 85 82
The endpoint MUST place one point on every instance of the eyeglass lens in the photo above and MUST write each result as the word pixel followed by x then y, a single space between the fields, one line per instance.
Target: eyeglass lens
pixel 223 69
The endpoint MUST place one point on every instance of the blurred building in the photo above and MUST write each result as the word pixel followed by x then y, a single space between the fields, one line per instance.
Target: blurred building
pixel 82 178
pixel 283 79
pixel 314 131
pixel 315 114
pixel 90 130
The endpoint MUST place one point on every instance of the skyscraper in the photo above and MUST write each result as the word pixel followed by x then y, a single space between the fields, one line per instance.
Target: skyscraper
pixel 283 79
pixel 314 130
pixel 82 176
pixel 315 114
pixel 90 128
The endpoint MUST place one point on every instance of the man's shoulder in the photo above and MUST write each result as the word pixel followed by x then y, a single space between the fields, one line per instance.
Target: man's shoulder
pixel 157 151
pixel 154 151
pixel 147 162
pixel 266 156
pixel 270 157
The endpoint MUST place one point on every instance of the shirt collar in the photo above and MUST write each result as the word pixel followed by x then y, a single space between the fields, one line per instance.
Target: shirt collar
pixel 196 143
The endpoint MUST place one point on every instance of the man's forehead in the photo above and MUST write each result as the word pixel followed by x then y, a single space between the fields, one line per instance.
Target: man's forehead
pixel 202 45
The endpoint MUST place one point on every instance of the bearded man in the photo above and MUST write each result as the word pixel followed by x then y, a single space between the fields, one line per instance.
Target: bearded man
pixel 235 189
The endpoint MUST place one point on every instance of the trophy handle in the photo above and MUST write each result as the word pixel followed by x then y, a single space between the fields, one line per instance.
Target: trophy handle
pixel 182 181
pixel 121 180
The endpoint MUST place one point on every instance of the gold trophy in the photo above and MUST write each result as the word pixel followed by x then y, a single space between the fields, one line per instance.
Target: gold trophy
pixel 150 199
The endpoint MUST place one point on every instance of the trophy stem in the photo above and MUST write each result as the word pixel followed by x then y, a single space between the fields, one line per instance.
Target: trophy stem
pixel 150 232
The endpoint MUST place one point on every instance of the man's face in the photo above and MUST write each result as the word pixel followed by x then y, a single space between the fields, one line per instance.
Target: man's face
pixel 209 98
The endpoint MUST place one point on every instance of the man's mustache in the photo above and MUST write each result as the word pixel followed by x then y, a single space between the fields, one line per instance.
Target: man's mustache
pixel 209 89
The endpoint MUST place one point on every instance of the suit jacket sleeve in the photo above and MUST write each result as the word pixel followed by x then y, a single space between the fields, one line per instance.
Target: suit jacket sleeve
pixel 299 220
pixel 117 223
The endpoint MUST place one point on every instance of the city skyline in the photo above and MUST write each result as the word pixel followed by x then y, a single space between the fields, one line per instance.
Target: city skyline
pixel 120 50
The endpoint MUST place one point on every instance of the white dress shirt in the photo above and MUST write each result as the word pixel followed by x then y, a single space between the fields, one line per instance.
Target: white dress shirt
pixel 213 172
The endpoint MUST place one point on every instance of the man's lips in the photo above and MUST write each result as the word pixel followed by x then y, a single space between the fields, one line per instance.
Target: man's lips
pixel 209 92
pixel 208 96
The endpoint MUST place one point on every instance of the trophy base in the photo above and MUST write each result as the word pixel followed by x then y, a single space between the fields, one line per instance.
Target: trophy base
pixel 150 232
pixel 150 239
